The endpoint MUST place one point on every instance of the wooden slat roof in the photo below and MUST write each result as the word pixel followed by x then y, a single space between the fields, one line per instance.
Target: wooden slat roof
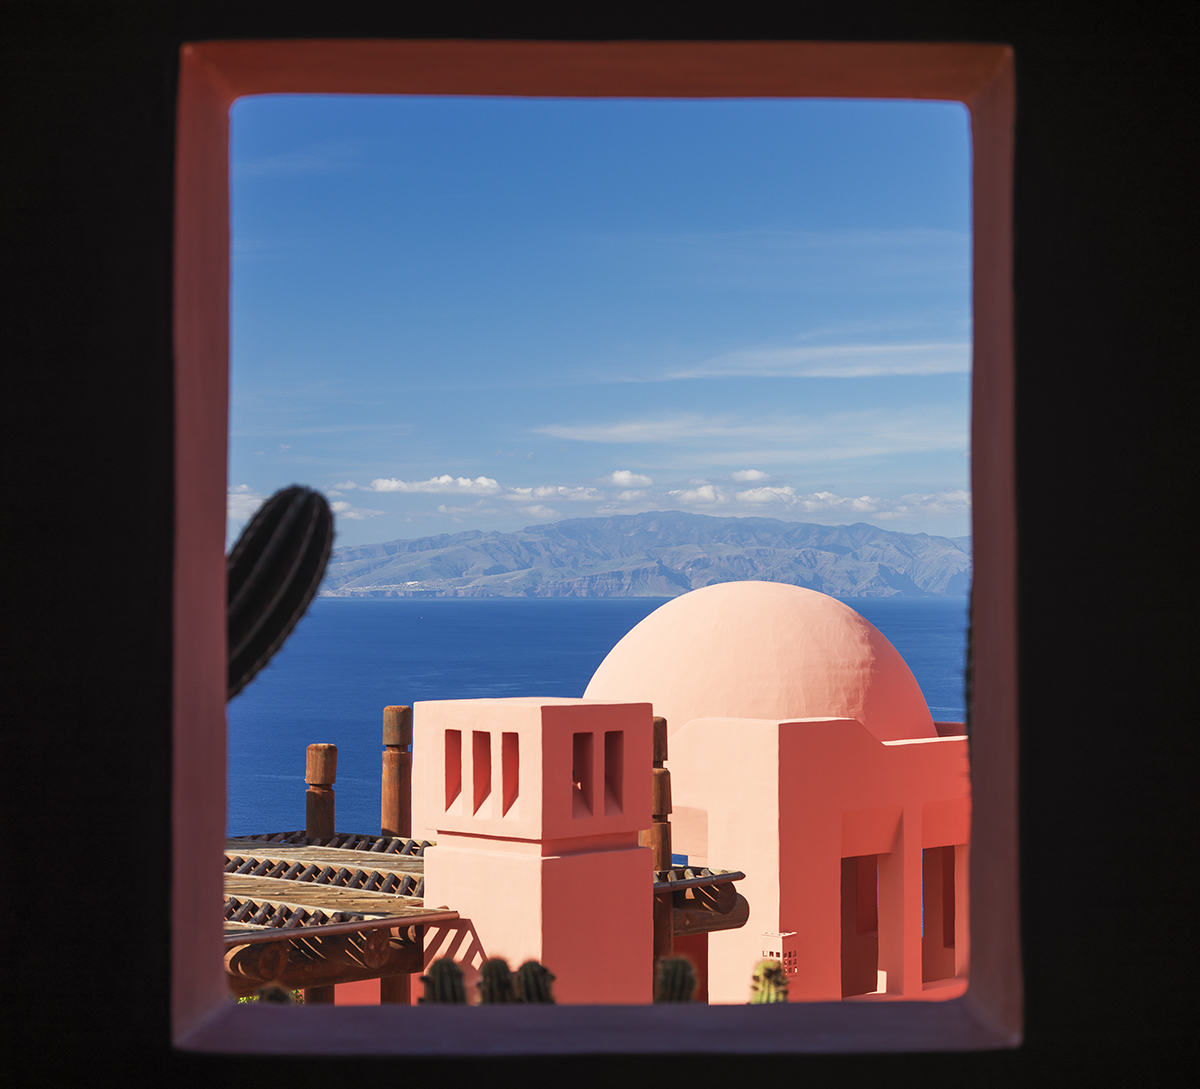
pixel 284 885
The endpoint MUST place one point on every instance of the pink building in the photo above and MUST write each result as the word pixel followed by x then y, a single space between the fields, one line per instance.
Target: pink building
pixel 802 753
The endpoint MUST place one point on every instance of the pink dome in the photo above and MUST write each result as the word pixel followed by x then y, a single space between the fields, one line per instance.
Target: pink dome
pixel 764 650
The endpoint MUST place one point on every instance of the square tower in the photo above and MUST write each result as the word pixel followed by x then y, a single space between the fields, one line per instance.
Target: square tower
pixel 535 806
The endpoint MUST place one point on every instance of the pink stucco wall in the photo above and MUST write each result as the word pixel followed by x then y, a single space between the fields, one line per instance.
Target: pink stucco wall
pixel 785 802
pixel 535 806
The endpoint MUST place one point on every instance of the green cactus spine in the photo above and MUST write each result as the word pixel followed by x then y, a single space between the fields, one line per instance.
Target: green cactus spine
pixel 769 983
pixel 532 984
pixel 444 983
pixel 495 982
pixel 675 980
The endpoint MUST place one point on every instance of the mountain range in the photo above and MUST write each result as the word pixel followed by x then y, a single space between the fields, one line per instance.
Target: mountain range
pixel 655 554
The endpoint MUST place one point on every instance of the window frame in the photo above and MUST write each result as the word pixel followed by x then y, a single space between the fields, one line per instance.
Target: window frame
pixel 212 76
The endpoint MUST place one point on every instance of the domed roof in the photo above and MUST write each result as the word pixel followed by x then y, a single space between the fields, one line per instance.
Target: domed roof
pixel 764 650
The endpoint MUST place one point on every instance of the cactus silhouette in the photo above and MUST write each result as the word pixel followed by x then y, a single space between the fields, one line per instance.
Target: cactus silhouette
pixel 674 980
pixel 272 574
pixel 495 982
pixel 768 984
pixel 444 983
pixel 532 983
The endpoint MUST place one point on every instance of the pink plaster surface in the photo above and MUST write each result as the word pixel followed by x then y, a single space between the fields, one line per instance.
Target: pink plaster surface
pixel 799 738
pixel 535 806
pixel 764 650
pixel 785 802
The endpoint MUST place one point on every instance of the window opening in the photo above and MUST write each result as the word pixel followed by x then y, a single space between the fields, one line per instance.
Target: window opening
pixel 900 368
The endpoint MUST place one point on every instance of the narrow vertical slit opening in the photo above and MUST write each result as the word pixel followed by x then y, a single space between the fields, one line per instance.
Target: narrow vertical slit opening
pixel 510 770
pixel 581 775
pixel 614 771
pixel 481 768
pixel 453 762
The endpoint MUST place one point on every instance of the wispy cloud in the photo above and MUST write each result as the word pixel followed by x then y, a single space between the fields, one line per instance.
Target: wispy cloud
pixel 711 439
pixel 323 158
pixel 780 260
pixel 323 429
pixel 835 361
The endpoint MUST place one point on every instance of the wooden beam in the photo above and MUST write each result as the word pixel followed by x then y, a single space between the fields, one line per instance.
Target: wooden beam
pixel 699 920
pixel 316 965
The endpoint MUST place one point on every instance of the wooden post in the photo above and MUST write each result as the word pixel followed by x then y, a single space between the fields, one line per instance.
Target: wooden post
pixel 318 996
pixel 395 811
pixel 320 773
pixel 658 839
pixel 397 989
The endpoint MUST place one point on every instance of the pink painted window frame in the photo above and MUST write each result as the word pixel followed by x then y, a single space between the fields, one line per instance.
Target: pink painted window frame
pixel 212 76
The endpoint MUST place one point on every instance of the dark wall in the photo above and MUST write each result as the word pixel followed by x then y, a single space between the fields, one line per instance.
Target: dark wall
pixel 1105 231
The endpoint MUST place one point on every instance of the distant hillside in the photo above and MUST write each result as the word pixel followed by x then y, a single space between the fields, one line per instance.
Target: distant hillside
pixel 658 554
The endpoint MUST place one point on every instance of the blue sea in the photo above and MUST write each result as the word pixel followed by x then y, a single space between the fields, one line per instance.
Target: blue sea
pixel 348 659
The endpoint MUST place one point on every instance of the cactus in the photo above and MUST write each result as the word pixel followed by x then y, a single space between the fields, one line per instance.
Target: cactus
pixel 674 980
pixel 495 982
pixel 769 984
pixel 272 575
pixel 444 983
pixel 532 983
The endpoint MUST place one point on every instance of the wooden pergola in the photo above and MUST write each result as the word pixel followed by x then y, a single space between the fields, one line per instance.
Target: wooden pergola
pixel 308 912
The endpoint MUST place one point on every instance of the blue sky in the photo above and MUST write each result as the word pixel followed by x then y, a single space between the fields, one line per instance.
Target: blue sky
pixel 474 313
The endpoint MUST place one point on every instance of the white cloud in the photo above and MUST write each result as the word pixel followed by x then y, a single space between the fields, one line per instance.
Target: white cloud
pixel 765 495
pixel 543 502
pixel 462 485
pixel 706 494
pixel 345 510
pixel 623 478
pixel 552 491
pixel 539 511
pixel 829 503
pixel 241 501
pixel 939 503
